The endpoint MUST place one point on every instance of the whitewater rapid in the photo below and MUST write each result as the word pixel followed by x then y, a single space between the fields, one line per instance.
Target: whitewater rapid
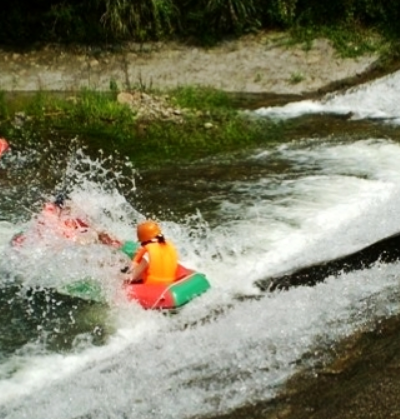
pixel 376 101
pixel 219 353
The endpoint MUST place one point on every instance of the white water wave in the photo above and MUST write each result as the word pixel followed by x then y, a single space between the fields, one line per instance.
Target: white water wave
pixel 241 357
pixel 155 366
pixel 375 100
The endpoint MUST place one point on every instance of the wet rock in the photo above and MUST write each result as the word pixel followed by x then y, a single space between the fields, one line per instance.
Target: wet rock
pixel 125 98
pixel 386 250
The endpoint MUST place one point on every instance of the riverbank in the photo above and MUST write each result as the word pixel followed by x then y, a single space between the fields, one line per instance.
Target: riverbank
pixel 266 63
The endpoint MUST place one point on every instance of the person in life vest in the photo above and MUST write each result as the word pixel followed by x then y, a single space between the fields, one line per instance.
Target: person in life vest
pixel 62 218
pixel 56 218
pixel 4 146
pixel 156 261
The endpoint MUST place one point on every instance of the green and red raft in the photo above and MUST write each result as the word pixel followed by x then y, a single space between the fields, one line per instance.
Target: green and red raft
pixel 188 284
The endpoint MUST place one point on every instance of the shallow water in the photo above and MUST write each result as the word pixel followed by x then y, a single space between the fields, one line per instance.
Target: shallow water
pixel 238 219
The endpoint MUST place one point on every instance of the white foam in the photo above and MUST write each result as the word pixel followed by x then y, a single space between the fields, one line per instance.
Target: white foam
pixel 336 198
pixel 376 100
pixel 238 358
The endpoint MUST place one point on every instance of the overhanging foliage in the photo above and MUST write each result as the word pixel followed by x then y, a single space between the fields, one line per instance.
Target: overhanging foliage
pixel 88 21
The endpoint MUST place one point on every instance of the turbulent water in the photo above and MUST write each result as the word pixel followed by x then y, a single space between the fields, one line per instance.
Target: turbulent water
pixel 238 220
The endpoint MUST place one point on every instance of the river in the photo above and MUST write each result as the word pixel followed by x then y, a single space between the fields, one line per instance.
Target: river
pixel 237 218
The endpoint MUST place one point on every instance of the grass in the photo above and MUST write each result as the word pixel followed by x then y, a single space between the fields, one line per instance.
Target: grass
pixel 205 98
pixel 100 122
pixel 296 78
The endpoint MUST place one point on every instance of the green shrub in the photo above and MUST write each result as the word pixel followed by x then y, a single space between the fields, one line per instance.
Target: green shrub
pixel 213 18
pixel 92 107
pixel 142 19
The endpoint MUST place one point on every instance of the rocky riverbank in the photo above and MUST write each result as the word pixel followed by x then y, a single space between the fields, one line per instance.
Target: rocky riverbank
pixel 263 63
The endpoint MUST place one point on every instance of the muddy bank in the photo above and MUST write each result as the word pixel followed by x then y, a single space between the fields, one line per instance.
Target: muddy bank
pixel 261 65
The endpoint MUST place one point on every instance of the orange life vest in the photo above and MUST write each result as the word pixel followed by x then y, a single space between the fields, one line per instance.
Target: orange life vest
pixel 162 264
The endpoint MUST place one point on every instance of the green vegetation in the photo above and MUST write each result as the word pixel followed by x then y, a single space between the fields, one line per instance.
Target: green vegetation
pixel 296 78
pixel 206 123
pixel 203 21
pixel 3 106
pixel 201 99
pixel 349 41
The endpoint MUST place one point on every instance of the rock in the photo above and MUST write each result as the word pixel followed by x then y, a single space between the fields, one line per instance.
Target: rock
pixel 125 98
pixel 150 107
pixel 145 97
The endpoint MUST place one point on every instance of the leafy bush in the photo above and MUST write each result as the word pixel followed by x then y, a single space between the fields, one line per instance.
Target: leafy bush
pixel 142 19
pixel 27 21
pixel 280 12
pixel 216 17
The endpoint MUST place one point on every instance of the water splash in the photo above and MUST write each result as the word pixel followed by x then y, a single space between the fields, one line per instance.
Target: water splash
pixel 377 101
pixel 217 353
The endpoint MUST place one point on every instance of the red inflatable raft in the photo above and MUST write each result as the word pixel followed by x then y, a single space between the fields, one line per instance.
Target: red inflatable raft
pixel 187 285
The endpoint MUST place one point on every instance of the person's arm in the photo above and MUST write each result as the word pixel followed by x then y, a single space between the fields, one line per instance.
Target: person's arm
pixel 137 270
pixel 108 240
pixel 139 264
pixel 83 224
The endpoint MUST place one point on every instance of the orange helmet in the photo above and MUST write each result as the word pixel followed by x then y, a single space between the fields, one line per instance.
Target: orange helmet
pixel 148 230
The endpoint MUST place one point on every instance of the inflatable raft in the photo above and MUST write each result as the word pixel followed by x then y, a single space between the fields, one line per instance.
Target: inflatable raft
pixel 188 285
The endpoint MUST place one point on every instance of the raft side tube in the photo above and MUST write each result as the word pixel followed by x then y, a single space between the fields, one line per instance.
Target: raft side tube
pixel 154 296
pixel 161 296
pixel 188 288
